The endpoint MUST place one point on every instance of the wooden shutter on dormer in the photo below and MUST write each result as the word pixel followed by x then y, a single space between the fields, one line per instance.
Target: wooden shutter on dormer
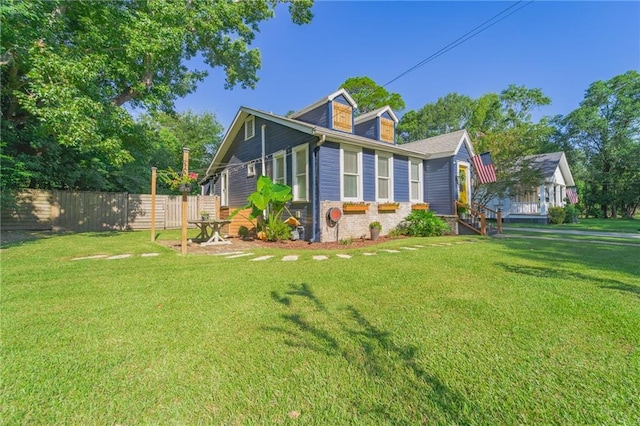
pixel 386 130
pixel 342 117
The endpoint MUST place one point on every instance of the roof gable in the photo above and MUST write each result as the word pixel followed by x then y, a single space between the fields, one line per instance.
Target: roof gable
pixel 377 113
pixel 341 92
pixel 440 146
pixel 550 162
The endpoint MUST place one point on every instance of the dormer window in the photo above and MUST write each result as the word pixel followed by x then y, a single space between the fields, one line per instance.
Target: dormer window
pixel 342 117
pixel 386 130
pixel 249 128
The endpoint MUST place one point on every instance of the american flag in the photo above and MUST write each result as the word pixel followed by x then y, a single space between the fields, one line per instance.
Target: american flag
pixel 572 195
pixel 483 165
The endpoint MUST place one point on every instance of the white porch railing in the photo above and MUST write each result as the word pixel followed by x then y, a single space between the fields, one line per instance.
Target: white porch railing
pixel 524 208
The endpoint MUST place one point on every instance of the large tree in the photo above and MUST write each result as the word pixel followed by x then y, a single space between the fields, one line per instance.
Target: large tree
pixel 70 67
pixel 370 96
pixel 606 131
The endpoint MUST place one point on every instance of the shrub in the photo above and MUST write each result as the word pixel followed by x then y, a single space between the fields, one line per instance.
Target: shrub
pixel 243 232
pixel 276 230
pixel 572 212
pixel 423 223
pixel 557 215
pixel 375 225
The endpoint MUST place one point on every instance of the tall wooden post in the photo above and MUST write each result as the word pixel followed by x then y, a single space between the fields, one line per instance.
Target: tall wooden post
pixel 185 211
pixel 499 221
pixel 483 223
pixel 153 203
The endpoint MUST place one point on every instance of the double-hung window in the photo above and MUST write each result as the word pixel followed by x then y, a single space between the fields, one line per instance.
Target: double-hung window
pixel 351 165
pixel 280 167
pixel 300 173
pixel 415 179
pixel 384 177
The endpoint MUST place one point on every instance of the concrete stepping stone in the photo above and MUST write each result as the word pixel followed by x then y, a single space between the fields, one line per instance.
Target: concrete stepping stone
pixel 235 256
pixel 258 259
pixel 391 251
pixel 408 248
pixel 290 258
pixel 150 254
pixel 369 254
pixel 418 246
pixel 320 257
pixel 119 256
pixel 343 256
pixel 227 253
pixel 97 256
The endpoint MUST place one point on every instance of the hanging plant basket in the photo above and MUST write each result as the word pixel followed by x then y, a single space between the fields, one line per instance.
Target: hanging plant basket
pixel 388 207
pixel 184 187
pixel 355 208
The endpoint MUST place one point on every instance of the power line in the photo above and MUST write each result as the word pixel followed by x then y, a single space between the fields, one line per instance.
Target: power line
pixel 467 36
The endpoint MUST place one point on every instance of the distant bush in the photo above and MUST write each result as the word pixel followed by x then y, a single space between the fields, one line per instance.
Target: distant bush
pixel 557 215
pixel 423 223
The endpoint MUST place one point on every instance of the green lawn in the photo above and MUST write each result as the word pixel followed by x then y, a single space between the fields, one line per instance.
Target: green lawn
pixel 631 226
pixel 488 331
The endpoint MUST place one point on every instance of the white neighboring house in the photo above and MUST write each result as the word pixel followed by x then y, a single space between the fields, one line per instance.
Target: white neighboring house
pixel 533 205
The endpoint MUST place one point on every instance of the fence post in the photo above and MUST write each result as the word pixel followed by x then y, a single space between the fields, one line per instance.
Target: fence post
pixel 185 211
pixel 499 221
pixel 153 203
pixel 483 223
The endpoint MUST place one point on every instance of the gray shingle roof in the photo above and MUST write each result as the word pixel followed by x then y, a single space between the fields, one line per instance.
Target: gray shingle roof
pixel 442 144
pixel 546 163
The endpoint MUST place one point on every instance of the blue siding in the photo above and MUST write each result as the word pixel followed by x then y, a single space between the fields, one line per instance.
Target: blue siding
pixel 439 186
pixel 369 174
pixel 278 137
pixel 400 178
pixel 341 99
pixel 329 172
pixel 367 129
pixel 318 116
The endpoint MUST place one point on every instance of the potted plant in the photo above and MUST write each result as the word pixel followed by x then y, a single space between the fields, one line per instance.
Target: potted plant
pixel 204 215
pixel 375 228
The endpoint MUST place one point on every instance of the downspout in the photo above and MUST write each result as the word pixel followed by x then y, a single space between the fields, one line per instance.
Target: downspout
pixel 264 147
pixel 315 200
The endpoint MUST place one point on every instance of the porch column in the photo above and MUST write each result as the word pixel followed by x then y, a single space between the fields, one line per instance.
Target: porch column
pixel 563 194
pixel 542 194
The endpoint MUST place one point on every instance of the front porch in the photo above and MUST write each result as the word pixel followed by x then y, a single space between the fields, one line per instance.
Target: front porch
pixel 532 206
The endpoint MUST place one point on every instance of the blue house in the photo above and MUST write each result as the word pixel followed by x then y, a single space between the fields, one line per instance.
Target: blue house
pixel 334 160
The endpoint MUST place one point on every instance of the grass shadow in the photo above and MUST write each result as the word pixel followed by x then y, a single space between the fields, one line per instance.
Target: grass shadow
pixel 550 272
pixel 624 287
pixel 374 352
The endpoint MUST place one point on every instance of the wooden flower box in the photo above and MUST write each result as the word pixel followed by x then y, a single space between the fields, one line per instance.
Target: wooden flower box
pixel 355 208
pixel 388 207
pixel 421 206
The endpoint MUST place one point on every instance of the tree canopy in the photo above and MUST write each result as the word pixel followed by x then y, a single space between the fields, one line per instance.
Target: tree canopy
pixel 69 67
pixel 370 96
pixel 605 130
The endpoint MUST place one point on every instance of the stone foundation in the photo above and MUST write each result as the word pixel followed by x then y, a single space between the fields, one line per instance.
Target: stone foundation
pixel 356 225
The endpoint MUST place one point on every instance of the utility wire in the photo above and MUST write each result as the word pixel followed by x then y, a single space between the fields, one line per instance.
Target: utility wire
pixel 467 36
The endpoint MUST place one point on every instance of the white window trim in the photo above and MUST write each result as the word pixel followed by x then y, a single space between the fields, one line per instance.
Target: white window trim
pixel 224 188
pixel 295 172
pixel 420 183
pixel 344 148
pixel 280 154
pixel 249 128
pixel 389 158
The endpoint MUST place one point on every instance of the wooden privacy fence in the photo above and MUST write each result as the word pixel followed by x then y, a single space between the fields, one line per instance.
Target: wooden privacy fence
pixel 100 211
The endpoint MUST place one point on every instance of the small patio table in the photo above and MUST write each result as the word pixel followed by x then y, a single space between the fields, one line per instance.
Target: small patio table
pixel 210 231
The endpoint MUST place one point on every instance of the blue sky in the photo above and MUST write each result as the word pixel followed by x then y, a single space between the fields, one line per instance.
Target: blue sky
pixel 559 47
